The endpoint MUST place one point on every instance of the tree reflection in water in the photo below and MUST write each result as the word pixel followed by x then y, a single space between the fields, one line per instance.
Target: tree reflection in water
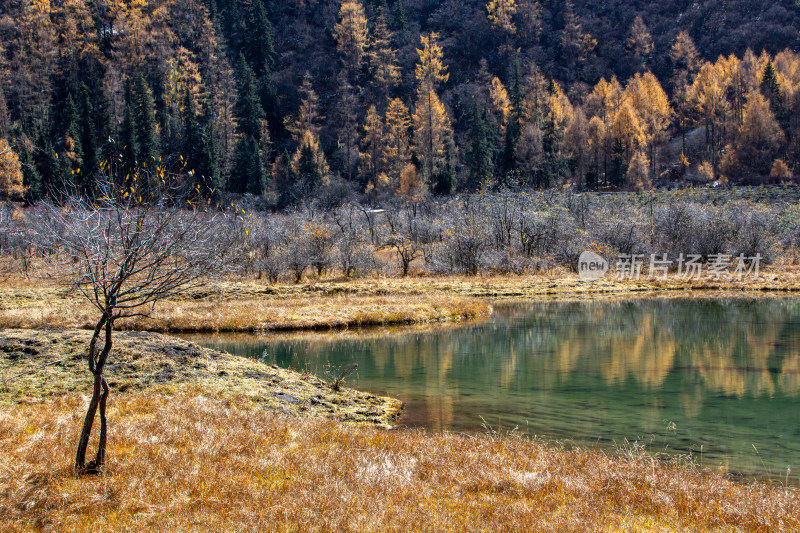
pixel 675 373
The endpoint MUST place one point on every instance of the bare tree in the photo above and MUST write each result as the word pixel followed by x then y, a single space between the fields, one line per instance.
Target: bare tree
pixel 124 255
pixel 403 237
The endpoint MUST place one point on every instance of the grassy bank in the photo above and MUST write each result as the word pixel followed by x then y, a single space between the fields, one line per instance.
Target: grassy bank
pixel 202 440
pixel 246 305
pixel 194 461
pixel 37 364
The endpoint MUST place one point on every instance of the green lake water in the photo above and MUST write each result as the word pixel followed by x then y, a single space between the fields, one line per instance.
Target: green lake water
pixel 715 378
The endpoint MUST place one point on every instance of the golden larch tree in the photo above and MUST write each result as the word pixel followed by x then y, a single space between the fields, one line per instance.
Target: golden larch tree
pixel 382 57
pixel 183 76
pixel 310 142
pixel 652 106
pixel 351 32
pixel 430 70
pixel 758 140
pixel 501 105
pixel 371 160
pixel 33 39
pixel 308 116
pixel 605 99
pixel 627 129
pixel 432 126
pixel 598 144
pixel 80 53
pixel 684 55
pixel 576 45
pixel 638 173
pixel 10 172
pixel 396 149
pixel 707 97
pixel 640 42
pixel 577 141
pixel 501 13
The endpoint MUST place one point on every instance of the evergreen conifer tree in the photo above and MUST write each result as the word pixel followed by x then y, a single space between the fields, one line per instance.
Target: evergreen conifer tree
pixel 482 151
pixel 90 165
pixel 145 119
pixel 515 115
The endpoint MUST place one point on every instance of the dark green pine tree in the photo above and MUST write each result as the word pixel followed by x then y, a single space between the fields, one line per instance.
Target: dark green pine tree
pixel 129 137
pixel 145 117
pixel 72 130
pixel 207 172
pixel 285 181
pixel 617 167
pixel 400 22
pixel 771 88
pixel 444 176
pixel 481 155
pixel 769 82
pixel 248 173
pixel 108 131
pixel 259 44
pixel 248 105
pixel 307 171
pixel 90 165
pixel 233 27
pixel 191 145
pixel 51 169
pixel 555 160
pixel 268 95
pixel 514 126
pixel 444 179
pixel 31 177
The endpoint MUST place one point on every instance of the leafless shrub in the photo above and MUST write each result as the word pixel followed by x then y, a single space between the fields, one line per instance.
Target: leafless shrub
pixel 753 229
pixel 354 256
pixel 269 238
pixel 124 254
pixel 673 224
pixel 402 234
pixel 710 232
pixel 623 230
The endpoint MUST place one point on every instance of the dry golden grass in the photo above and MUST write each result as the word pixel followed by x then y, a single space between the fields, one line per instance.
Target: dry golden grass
pixel 159 363
pixel 246 305
pixel 242 307
pixel 192 462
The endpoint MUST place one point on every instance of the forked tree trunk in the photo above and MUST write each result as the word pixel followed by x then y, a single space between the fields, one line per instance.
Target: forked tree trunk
pixel 100 391
pixel 99 397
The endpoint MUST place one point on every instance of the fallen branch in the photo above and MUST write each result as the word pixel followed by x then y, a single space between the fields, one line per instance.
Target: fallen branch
pixel 31 371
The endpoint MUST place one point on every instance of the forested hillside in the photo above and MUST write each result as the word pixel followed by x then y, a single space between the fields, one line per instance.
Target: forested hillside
pixel 331 99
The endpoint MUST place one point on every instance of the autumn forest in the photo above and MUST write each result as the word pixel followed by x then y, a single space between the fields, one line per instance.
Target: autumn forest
pixel 396 99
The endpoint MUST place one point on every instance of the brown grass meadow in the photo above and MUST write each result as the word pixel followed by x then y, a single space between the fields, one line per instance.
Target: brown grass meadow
pixel 191 461
pixel 252 305
pixel 245 306
pixel 209 450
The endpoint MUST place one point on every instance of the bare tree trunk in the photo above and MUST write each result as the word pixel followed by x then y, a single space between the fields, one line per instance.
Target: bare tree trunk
pixel 100 458
pixel 88 421
pixel 99 397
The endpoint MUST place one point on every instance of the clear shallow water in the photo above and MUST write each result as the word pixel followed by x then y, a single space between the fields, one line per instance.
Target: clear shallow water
pixel 675 374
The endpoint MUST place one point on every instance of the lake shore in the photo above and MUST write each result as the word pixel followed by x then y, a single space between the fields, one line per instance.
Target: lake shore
pixel 256 306
pixel 203 439
pixel 202 452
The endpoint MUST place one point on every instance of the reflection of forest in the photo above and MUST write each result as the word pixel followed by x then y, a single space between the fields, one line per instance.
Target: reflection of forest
pixel 729 347
pixel 724 374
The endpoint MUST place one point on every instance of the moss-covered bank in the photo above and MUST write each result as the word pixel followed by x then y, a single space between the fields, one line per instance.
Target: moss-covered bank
pixel 143 360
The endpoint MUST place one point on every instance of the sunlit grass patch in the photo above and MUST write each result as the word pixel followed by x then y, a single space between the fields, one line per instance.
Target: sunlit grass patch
pixel 168 366
pixel 217 464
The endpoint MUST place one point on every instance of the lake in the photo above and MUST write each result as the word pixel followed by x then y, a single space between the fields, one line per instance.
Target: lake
pixel 715 378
